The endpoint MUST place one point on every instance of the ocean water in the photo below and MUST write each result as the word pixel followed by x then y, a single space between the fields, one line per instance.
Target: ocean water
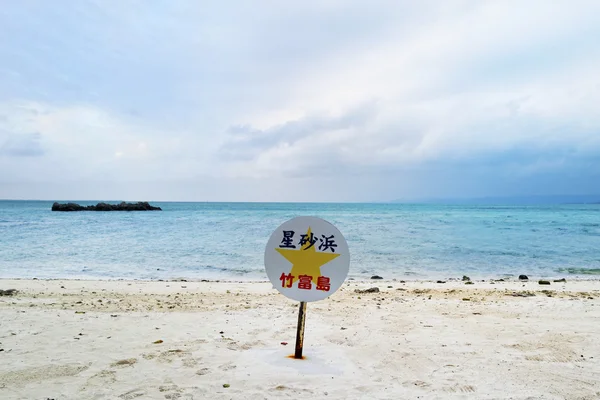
pixel 227 240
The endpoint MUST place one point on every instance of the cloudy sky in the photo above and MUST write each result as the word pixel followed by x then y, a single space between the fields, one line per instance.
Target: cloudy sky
pixel 306 100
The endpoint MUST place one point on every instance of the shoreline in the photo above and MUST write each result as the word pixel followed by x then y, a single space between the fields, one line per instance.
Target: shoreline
pixel 92 339
pixel 48 287
pixel 476 279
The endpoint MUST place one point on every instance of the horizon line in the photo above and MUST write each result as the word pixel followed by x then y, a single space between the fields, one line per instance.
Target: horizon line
pixel 514 200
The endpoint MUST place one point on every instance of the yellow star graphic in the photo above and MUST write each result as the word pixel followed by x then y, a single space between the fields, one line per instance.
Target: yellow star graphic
pixel 307 260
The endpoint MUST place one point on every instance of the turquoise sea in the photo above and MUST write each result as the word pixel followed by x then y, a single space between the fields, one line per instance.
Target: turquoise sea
pixel 226 240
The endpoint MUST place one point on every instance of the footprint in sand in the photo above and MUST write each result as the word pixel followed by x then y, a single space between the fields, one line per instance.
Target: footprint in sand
pixel 460 389
pixel 172 391
pixel 547 352
pixel 420 384
pixel 233 345
pixel 102 378
pixel 124 363
pixel 170 356
pixel 37 374
pixel 228 367
pixel 133 394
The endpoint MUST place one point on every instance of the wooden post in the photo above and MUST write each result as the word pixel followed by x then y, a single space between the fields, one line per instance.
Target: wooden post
pixel 300 330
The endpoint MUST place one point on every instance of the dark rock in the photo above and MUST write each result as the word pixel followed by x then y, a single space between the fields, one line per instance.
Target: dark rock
pixel 465 278
pixel 560 280
pixel 376 277
pixel 441 281
pixel 103 207
pixel 370 290
pixel 8 292
pixel 140 206
pixel 67 207
pixel 523 278
pixel 544 282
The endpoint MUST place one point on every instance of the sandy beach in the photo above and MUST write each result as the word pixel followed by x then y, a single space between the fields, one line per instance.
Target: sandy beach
pixel 66 339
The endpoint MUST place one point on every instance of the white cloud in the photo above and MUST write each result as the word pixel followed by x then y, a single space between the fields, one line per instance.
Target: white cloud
pixel 299 90
pixel 433 100
pixel 84 142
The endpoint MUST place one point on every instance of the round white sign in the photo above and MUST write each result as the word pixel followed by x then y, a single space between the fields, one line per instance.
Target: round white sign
pixel 307 259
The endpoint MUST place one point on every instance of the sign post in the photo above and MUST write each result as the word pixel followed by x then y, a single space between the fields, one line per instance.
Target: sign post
pixel 307 259
pixel 300 330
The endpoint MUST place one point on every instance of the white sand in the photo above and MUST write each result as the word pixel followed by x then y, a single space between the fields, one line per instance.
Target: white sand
pixel 415 340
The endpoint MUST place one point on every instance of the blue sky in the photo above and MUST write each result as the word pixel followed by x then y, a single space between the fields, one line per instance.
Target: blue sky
pixel 298 101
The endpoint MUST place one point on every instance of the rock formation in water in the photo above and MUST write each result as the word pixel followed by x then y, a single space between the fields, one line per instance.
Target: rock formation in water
pixel 140 206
